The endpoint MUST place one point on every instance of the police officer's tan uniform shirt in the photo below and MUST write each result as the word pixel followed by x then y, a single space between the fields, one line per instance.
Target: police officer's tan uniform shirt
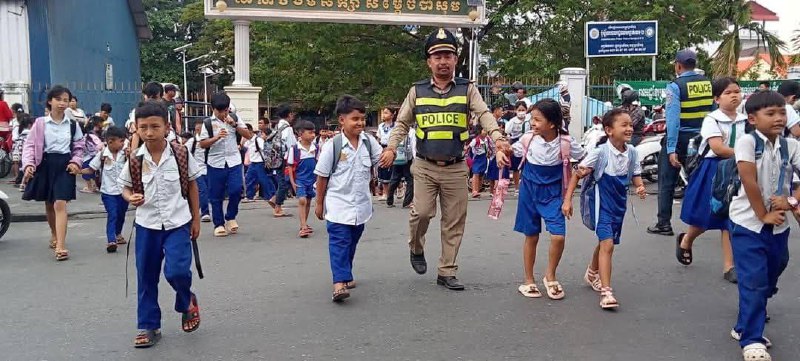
pixel 406 120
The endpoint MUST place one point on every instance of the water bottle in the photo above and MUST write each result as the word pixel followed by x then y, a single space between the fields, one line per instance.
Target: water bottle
pixel 692 149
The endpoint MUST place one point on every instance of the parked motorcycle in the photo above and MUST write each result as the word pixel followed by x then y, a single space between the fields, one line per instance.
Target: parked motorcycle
pixel 648 152
pixel 5 214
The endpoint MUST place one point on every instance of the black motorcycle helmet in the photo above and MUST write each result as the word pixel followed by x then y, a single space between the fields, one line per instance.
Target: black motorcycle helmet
pixel 629 96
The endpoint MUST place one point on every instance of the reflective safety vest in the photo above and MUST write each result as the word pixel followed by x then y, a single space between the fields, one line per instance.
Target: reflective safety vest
pixel 442 120
pixel 696 99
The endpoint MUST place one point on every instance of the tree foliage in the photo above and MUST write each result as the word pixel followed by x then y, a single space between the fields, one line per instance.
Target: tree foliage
pixel 313 63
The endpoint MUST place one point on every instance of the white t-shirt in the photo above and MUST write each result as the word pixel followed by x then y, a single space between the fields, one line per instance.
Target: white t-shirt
pixel 541 152
pixel 479 149
pixel 717 124
pixel 618 161
pixel 383 133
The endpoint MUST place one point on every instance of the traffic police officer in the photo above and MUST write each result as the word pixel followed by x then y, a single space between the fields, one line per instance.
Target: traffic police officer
pixel 689 99
pixel 440 109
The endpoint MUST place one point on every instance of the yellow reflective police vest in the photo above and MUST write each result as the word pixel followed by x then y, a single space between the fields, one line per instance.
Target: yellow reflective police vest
pixel 696 99
pixel 442 120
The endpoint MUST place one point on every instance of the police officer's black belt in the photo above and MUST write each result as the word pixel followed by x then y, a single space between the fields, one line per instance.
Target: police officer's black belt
pixel 443 163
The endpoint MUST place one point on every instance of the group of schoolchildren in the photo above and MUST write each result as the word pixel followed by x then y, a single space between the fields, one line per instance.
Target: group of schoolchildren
pixel 171 186
pixel 747 163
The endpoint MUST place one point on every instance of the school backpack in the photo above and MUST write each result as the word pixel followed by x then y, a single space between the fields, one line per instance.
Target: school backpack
pixel 726 182
pixel 565 147
pixel 207 122
pixel 181 157
pixel 274 149
pixel 337 153
pixel 590 207
pixel 296 154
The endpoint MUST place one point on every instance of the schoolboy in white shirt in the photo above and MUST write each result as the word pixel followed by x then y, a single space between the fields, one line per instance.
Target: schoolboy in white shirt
pixel 344 198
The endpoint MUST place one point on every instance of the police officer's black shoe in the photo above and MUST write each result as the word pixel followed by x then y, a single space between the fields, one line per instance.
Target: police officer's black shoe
pixel 450 282
pixel 418 263
pixel 664 230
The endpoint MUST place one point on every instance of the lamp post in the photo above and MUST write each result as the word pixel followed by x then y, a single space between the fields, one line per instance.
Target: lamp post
pixel 182 50
pixel 207 72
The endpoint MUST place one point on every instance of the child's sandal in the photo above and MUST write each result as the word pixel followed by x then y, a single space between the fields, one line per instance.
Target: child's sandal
pixel 756 352
pixel 350 285
pixel 530 291
pixel 52 243
pixel 190 320
pixel 592 278
pixel 554 289
pixel 738 337
pixel 121 240
pixel 304 233
pixel 147 338
pixel 62 254
pixel 111 247
pixel 607 299
pixel 340 295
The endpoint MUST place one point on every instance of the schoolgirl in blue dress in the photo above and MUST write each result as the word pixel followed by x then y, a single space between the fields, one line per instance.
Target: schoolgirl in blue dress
pixel 540 194
pixel 479 150
pixel 610 164
pixel 51 158
pixel 720 130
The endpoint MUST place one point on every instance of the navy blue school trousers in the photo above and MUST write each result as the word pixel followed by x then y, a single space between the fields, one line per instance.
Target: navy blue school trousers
pixel 175 249
pixel 116 207
pixel 221 180
pixel 257 174
pixel 342 242
pixel 760 258
pixel 202 188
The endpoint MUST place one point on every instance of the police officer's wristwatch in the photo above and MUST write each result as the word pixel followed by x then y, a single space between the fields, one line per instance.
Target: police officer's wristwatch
pixel 793 202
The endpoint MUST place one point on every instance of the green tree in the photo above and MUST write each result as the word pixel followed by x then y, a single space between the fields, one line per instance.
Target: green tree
pixel 158 61
pixel 738 17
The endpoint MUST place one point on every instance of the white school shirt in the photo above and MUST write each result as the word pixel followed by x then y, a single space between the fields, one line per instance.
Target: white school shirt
pixel 255 155
pixel 383 133
pixel 541 152
pixel 768 171
pixel 112 168
pixel 164 206
pixel 348 199
pixel 287 134
pixel 792 118
pixel 199 154
pixel 305 154
pixel 618 162
pixel 515 128
pixel 717 124
pixel 226 150
pixel 478 150
pixel 56 136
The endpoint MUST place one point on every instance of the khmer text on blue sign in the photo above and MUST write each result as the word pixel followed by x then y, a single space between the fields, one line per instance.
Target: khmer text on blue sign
pixel 621 38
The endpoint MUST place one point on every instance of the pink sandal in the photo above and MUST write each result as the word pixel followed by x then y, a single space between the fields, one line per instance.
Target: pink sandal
pixel 592 278
pixel 607 299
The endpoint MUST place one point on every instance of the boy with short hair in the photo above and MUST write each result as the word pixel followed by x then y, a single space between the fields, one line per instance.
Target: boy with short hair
pixel 759 232
pixel 160 180
pixel 343 176
pixel 109 163
pixel 105 113
pixel 199 154
pixel 790 90
pixel 301 161
pixel 224 163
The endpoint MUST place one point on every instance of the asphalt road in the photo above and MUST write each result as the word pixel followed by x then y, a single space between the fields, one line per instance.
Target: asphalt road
pixel 266 296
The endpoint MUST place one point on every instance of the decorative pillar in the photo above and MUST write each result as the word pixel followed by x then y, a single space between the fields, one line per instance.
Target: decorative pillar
pixel 575 78
pixel 241 31
pixel 244 96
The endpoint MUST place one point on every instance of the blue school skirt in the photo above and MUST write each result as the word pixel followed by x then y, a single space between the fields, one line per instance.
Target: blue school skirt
pixel 86 166
pixel 51 182
pixel 540 198
pixel 612 204
pixel 493 172
pixel 696 208
pixel 479 164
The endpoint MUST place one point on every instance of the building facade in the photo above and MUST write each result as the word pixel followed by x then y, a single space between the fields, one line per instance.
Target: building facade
pixel 91 47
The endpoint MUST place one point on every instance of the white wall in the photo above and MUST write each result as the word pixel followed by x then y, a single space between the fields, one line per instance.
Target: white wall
pixel 15 71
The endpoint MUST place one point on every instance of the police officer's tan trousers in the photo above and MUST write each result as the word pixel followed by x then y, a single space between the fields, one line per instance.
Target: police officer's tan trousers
pixel 450 184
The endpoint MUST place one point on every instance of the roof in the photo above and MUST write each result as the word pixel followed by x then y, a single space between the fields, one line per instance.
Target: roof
pixel 760 13
pixel 745 63
pixel 140 20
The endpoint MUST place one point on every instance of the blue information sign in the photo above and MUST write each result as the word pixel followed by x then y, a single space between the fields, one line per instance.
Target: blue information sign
pixel 621 38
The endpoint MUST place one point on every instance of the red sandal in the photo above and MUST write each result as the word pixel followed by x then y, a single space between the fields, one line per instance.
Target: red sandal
pixel 190 321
